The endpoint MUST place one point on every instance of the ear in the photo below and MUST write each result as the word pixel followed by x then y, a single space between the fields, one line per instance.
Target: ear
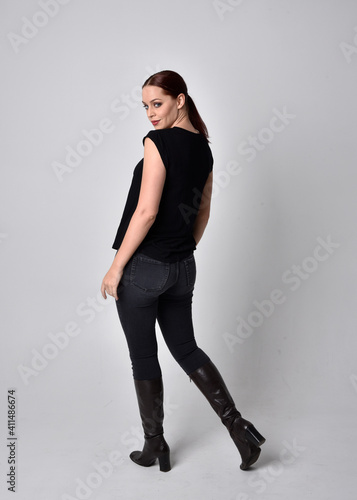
pixel 180 100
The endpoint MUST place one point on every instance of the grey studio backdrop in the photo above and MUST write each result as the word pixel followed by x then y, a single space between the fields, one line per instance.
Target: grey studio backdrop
pixel 274 303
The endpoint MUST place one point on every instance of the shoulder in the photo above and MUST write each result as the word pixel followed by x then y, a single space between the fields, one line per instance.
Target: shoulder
pixel 158 135
pixel 158 138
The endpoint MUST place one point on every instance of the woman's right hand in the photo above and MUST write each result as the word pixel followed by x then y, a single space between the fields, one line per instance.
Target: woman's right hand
pixel 111 282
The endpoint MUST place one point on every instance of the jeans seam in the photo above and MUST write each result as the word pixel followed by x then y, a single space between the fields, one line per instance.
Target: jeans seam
pixel 187 268
pixel 161 284
pixel 188 281
pixel 133 269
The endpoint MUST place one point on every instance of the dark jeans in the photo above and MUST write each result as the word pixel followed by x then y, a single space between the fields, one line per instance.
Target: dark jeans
pixel 151 290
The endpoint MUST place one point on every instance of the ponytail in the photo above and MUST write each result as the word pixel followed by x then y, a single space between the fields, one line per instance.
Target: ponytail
pixel 195 117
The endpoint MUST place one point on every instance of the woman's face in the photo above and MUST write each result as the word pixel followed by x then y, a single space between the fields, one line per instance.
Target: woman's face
pixel 162 110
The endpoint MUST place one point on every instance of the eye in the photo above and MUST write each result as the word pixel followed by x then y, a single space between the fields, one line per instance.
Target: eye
pixel 156 105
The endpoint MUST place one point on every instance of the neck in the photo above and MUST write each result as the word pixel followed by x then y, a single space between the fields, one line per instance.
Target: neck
pixel 183 121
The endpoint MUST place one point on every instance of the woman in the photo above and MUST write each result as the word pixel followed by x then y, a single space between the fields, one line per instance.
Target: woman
pixel 153 273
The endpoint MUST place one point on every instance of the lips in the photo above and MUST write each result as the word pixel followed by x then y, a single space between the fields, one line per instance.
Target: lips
pixel 155 122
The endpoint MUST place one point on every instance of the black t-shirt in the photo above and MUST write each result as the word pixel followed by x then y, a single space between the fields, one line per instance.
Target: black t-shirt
pixel 188 160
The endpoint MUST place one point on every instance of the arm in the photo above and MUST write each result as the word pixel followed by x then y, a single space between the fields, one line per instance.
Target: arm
pixel 152 184
pixel 204 210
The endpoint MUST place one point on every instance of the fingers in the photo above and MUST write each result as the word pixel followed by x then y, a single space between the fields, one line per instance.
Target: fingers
pixel 102 289
pixel 110 284
pixel 110 290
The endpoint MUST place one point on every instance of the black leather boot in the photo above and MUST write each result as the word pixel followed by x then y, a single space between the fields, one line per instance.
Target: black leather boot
pixel 245 436
pixel 150 399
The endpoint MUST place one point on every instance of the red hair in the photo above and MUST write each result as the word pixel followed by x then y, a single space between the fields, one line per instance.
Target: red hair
pixel 173 84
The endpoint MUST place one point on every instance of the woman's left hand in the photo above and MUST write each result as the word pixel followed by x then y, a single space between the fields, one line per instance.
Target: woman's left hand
pixel 111 282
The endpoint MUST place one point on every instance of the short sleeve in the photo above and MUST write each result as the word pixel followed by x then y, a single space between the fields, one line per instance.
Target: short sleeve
pixel 211 160
pixel 158 140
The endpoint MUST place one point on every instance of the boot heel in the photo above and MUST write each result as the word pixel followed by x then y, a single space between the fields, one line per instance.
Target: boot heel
pixel 253 436
pixel 164 462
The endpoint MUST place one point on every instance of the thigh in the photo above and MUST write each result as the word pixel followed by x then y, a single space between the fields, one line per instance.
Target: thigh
pixel 137 303
pixel 175 318
pixel 143 281
pixel 175 310
pixel 138 324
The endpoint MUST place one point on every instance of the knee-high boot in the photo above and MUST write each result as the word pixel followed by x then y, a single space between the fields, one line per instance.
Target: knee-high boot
pixel 150 399
pixel 245 436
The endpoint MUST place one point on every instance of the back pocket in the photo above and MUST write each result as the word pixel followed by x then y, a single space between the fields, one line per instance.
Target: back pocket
pixel 148 274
